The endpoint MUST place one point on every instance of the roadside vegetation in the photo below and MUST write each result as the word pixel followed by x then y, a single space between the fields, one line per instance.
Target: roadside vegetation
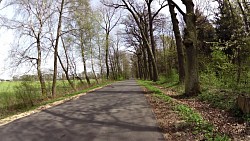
pixel 20 96
pixel 193 119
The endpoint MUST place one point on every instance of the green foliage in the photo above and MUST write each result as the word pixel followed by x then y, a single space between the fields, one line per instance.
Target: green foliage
pixel 200 125
pixel 6 99
pixel 189 114
pixel 156 92
pixel 223 100
pixel 8 86
pixel 27 94
pixel 223 68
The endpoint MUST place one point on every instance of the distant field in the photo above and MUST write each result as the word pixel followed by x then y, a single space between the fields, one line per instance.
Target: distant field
pixel 10 86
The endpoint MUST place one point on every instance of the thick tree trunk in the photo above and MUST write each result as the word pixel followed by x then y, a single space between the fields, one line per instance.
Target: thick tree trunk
pixel 107 54
pixel 152 63
pixel 84 62
pixel 151 30
pixel 85 71
pixel 139 66
pixel 192 86
pixel 39 72
pixel 146 72
pixel 56 49
pixel 179 43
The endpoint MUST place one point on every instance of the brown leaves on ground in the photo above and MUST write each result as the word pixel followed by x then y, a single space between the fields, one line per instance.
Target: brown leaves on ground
pixel 173 127
pixel 222 120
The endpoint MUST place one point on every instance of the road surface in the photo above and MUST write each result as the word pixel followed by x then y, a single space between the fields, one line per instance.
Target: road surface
pixel 118 112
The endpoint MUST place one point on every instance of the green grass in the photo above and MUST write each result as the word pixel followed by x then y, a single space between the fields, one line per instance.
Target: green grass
pixel 200 125
pixel 26 97
pixel 8 86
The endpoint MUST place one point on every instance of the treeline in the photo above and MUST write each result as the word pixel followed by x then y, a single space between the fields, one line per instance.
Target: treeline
pixel 71 36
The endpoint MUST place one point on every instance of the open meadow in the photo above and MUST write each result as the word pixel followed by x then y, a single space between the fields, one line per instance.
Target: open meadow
pixel 16 95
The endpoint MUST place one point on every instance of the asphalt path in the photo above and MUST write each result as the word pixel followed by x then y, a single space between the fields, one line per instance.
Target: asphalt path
pixel 118 112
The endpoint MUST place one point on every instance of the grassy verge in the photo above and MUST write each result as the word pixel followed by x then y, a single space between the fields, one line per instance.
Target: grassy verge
pixel 6 112
pixel 200 126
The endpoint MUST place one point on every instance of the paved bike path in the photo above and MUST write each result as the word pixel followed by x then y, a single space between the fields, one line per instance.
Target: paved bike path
pixel 118 112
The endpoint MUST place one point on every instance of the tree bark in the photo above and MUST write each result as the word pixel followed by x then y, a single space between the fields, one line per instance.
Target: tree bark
pixel 192 86
pixel 92 65
pixel 179 43
pixel 84 60
pixel 56 49
pixel 39 72
pixel 245 16
pixel 107 54
pixel 66 69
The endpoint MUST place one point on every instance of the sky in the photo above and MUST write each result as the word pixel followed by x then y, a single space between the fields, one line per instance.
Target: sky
pixel 6 39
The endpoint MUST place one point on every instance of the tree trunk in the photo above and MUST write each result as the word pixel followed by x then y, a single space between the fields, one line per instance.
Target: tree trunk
pixel 107 54
pixel 92 65
pixel 245 16
pixel 56 49
pixel 151 32
pixel 239 65
pixel 100 60
pixel 152 63
pixel 146 72
pixel 192 86
pixel 39 72
pixel 85 70
pixel 66 69
pixel 243 102
pixel 179 43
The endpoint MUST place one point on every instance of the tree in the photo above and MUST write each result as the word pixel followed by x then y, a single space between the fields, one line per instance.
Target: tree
pixel 109 23
pixel 33 25
pixel 58 34
pixel 66 68
pixel 192 86
pixel 231 34
pixel 178 40
pixel 137 12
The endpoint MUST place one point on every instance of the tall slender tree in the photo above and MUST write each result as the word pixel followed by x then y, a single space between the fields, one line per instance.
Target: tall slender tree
pixel 110 21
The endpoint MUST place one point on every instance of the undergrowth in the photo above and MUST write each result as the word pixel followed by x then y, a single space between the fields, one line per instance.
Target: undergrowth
pixel 200 125
pixel 213 91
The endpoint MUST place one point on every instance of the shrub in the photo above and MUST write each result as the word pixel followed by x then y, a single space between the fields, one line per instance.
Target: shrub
pixel 27 94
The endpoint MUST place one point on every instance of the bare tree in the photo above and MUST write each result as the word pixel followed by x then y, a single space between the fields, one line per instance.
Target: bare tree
pixel 32 25
pixel 58 34
pixel 109 23
pixel 66 68
pixel 138 12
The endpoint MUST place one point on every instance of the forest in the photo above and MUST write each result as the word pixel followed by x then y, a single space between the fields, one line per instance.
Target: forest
pixel 193 49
